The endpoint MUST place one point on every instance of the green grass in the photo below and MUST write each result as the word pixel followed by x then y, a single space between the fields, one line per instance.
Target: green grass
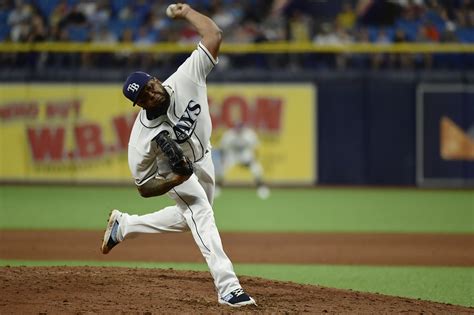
pixel 287 210
pixel 441 284
pixel 294 210
pixel 447 285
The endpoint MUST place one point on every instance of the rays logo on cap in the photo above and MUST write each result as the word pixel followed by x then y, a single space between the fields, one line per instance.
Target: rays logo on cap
pixel 133 87
pixel 135 82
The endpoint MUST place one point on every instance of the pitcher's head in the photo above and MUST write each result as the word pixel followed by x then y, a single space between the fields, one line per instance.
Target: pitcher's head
pixel 147 92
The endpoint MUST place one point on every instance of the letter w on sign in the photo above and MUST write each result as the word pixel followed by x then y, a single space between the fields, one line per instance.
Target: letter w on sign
pixel 187 123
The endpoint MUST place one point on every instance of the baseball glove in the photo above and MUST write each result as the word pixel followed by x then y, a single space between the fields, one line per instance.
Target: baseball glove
pixel 179 163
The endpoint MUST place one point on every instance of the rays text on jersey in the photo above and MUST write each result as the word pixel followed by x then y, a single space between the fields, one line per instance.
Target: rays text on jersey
pixel 185 126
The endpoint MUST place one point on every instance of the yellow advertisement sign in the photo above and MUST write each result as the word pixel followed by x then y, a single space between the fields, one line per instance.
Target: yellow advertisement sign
pixel 67 132
pixel 283 115
pixel 79 132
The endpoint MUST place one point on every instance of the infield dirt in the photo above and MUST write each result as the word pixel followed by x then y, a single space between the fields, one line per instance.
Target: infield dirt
pixel 59 290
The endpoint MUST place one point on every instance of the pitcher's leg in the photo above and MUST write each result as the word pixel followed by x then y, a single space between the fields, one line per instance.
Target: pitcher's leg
pixel 169 219
pixel 200 218
pixel 205 172
pixel 206 235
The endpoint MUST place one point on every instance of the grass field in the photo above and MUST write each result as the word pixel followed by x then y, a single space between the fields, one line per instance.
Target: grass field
pixel 295 210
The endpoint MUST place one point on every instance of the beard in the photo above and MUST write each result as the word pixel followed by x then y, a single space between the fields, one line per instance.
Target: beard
pixel 161 109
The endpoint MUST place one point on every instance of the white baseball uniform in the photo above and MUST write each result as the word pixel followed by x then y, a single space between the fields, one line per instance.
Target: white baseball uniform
pixel 238 147
pixel 189 123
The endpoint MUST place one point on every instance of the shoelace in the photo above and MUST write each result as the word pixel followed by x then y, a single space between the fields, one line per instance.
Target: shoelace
pixel 238 292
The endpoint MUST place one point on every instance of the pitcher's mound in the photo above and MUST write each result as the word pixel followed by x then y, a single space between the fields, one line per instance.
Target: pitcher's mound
pixel 155 291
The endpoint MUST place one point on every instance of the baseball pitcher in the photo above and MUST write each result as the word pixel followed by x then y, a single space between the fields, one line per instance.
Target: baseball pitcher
pixel 169 152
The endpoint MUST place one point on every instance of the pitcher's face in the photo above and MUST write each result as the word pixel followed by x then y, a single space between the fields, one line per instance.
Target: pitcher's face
pixel 154 97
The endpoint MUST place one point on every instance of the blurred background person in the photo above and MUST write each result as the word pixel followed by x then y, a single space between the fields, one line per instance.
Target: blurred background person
pixel 238 146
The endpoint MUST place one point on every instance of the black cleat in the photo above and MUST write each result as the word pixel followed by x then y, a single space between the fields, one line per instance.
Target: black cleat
pixel 237 298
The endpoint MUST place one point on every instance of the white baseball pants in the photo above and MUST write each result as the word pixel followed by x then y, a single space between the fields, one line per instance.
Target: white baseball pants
pixel 193 211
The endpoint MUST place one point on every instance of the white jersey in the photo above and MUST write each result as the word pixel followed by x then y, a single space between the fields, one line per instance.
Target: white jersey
pixel 187 120
pixel 239 146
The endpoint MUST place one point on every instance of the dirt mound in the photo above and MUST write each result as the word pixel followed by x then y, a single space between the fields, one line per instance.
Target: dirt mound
pixel 156 291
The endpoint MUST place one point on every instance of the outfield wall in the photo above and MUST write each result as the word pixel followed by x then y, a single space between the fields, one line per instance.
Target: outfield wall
pixel 362 128
pixel 385 129
pixel 79 132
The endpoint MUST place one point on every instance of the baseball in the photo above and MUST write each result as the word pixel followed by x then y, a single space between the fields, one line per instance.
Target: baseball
pixel 170 10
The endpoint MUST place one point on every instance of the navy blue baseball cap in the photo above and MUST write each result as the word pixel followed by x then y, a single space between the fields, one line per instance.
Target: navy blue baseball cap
pixel 134 84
